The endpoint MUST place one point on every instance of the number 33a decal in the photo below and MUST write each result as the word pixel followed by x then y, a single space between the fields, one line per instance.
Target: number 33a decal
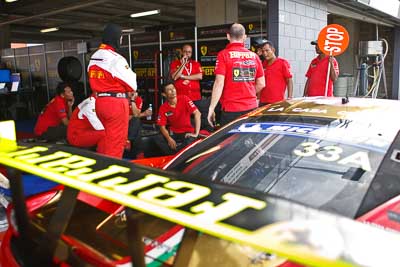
pixel 333 153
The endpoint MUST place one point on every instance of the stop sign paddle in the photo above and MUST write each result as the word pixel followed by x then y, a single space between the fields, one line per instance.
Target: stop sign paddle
pixel 333 40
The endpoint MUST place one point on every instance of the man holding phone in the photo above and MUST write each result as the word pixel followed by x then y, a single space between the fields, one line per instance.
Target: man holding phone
pixel 187 74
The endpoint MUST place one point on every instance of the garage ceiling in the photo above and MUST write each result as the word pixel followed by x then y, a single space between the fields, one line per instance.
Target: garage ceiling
pixel 79 19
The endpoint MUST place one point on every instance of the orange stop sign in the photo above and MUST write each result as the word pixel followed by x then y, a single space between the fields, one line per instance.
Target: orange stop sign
pixel 333 39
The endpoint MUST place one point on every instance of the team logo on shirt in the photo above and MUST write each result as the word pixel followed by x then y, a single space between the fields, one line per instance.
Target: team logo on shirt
pixel 203 50
pixel 243 74
pixel 169 113
pixel 96 74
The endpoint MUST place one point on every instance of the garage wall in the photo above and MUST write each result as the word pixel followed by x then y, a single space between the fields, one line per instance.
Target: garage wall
pixel 293 24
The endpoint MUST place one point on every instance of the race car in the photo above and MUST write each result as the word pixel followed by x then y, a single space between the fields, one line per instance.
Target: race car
pixel 257 181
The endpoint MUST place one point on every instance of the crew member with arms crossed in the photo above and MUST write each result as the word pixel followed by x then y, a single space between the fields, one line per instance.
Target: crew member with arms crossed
pixel 239 77
pixel 175 113
pixel 187 74
pixel 113 81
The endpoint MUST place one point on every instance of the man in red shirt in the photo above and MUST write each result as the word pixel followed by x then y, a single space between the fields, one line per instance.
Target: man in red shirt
pixel 278 77
pixel 239 77
pixel 135 125
pixel 317 72
pixel 112 80
pixel 53 120
pixel 84 128
pixel 175 113
pixel 187 74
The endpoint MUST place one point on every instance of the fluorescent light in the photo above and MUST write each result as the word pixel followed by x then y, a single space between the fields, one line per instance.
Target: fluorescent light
pixel 146 13
pixel 10 1
pixel 49 30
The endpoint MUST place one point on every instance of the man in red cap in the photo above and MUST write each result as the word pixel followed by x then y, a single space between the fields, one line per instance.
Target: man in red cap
pixel 187 74
pixel 239 77
pixel 84 128
pixel 317 72
pixel 112 80
pixel 54 118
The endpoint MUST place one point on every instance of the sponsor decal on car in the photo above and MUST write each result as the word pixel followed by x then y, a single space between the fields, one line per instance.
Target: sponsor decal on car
pixel 346 132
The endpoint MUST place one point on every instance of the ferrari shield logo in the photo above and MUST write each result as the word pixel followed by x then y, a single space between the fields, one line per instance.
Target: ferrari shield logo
pixel 236 72
pixel 171 35
pixel 203 50
pixel 135 54
pixel 251 26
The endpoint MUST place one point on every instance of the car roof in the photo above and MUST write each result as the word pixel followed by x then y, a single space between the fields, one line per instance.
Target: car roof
pixel 373 111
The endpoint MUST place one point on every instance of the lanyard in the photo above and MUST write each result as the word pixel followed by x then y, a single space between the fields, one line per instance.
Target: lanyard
pixel 189 71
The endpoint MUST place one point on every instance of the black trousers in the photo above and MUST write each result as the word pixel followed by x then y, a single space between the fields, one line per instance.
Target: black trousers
pixel 55 133
pixel 227 117
pixel 180 140
pixel 135 137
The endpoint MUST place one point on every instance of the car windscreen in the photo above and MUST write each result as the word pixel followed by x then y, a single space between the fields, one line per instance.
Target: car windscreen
pixel 320 162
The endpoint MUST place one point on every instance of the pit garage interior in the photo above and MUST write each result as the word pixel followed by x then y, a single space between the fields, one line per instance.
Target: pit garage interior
pixel 150 43
pixel 35 36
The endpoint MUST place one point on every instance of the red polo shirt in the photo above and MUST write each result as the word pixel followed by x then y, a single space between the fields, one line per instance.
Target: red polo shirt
pixel 51 115
pixel 178 117
pixel 241 68
pixel 276 76
pixel 139 104
pixel 187 87
pixel 316 75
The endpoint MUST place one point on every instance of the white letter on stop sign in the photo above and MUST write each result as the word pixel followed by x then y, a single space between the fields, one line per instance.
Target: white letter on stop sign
pixel 334 35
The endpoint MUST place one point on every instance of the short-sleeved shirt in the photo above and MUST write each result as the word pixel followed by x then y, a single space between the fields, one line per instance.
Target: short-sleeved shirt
pixel 108 71
pixel 51 115
pixel 84 116
pixel 178 117
pixel 241 68
pixel 316 74
pixel 139 104
pixel 276 76
pixel 189 88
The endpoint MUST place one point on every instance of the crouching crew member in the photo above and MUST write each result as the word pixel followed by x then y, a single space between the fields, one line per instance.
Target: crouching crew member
pixel 84 128
pixel 175 113
pixel 112 79
pixel 53 120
